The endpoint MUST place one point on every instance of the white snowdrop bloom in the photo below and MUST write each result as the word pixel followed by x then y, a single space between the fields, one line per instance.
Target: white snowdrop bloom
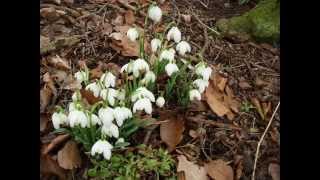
pixel 168 55
pixel 78 118
pixel 95 120
pixel 81 76
pixel 194 94
pixel 112 94
pixel 160 101
pixel 155 13
pixel 121 114
pixel 121 95
pixel 171 68
pixel 106 115
pixel 127 67
pixel 203 71
pixel 149 77
pixel 72 107
pixel 201 84
pixel 174 34
pixel 58 119
pixel 142 92
pixel 102 147
pixel 104 94
pixel 110 130
pixel 183 47
pixel 155 44
pixel 139 65
pixel 132 34
pixel 76 96
pixel 108 79
pixel 94 88
pixel 120 140
pixel 143 104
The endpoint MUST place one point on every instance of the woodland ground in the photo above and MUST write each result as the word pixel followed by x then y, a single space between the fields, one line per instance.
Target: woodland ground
pixel 250 70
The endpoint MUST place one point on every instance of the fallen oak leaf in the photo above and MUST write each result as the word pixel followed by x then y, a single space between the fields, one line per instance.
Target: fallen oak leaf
pixel 88 95
pixel 219 170
pixel 171 132
pixel 191 171
pixel 48 166
pixel 55 142
pixel 69 156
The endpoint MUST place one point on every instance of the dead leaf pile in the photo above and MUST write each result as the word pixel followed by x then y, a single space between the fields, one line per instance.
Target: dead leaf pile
pixel 48 92
pixel 219 170
pixel 171 131
pixel 69 156
pixel 220 97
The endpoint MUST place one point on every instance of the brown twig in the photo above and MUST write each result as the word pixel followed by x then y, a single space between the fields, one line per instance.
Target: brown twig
pixel 213 123
pixel 261 140
pixel 206 41
pixel 198 19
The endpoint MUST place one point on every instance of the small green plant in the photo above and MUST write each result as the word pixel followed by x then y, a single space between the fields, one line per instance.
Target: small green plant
pixel 246 107
pixel 135 164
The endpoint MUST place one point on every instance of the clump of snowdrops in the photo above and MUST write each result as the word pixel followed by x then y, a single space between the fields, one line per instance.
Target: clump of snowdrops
pixel 148 83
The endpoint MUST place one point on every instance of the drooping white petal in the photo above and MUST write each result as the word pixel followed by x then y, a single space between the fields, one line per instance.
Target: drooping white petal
pixel 102 147
pixel 194 94
pixel 155 44
pixel 149 77
pixel 160 102
pixel 201 84
pixel 143 104
pixel 112 94
pixel 142 92
pixel 138 66
pixel 174 34
pixel 168 55
pixel 133 34
pixel 95 120
pixel 155 13
pixel 108 79
pixel 59 119
pixel 94 88
pixel 110 130
pixel 183 47
pixel 81 76
pixel 106 115
pixel 171 68
pixel 78 118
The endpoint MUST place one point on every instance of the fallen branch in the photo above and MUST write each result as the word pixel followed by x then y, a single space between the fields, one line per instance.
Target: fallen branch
pixel 213 123
pixel 260 141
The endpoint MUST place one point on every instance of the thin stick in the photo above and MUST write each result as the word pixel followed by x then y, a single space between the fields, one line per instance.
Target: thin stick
pixel 198 19
pixel 260 141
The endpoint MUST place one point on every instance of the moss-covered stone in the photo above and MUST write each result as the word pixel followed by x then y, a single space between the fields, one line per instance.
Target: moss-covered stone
pixel 261 23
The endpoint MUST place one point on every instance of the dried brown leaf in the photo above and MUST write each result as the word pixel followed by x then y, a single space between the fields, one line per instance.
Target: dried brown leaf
pixel 59 76
pixel 219 170
pixel 274 171
pixel 45 97
pixel 186 17
pixel 88 95
pixel 191 170
pixel 59 63
pixel 244 85
pixel 70 83
pixel 215 100
pixel 69 156
pixel 171 132
pixel 44 121
pixel 107 29
pixel 48 167
pixel 219 81
pixel 55 142
pixel 129 17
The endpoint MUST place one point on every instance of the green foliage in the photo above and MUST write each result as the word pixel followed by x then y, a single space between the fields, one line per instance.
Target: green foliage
pixel 246 107
pixel 133 165
pixel 241 2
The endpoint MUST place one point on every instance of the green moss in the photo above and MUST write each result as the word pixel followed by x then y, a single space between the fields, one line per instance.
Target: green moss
pixel 261 23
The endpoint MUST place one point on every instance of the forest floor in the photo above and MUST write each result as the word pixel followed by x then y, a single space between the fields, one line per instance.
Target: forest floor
pixel 249 77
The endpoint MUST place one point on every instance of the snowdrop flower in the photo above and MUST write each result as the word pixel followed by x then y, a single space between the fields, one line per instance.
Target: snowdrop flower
pixel 110 130
pixel 95 120
pixel 121 95
pixel 155 13
pixel 102 147
pixel 203 71
pixel 150 77
pixel 160 101
pixel 171 68
pixel 109 79
pixel 94 88
pixel 120 140
pixel 76 96
pixel 127 67
pixel 58 119
pixel 183 47
pixel 72 107
pixel 201 84
pixel 109 94
pixel 78 118
pixel 81 76
pixel 132 34
pixel 139 65
pixel 155 44
pixel 174 34
pixel 168 55
pixel 106 115
pixel 143 104
pixel 121 114
pixel 194 94
pixel 142 92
